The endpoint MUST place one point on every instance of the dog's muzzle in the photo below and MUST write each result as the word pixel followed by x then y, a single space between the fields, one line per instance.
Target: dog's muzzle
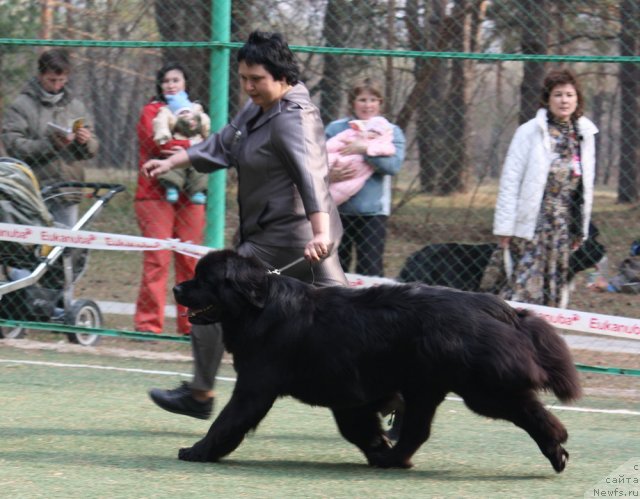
pixel 194 312
pixel 178 292
pixel 207 315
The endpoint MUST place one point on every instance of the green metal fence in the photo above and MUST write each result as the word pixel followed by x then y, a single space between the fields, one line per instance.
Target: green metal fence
pixel 458 77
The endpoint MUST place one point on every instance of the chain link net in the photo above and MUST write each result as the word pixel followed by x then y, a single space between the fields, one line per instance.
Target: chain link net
pixel 458 78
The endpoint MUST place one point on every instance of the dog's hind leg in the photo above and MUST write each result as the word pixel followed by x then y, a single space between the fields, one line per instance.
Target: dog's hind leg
pixel 361 426
pixel 419 410
pixel 525 410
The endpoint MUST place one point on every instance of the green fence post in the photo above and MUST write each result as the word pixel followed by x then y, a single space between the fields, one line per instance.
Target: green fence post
pixel 218 106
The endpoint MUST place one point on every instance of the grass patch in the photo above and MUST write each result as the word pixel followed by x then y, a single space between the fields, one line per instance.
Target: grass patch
pixel 76 432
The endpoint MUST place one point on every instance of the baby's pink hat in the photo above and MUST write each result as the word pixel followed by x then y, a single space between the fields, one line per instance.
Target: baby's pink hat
pixel 378 124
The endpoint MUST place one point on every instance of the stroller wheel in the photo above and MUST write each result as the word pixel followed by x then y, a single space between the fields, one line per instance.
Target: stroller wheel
pixel 87 314
pixel 12 332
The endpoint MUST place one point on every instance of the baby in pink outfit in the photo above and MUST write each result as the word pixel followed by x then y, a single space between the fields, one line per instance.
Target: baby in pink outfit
pixel 378 133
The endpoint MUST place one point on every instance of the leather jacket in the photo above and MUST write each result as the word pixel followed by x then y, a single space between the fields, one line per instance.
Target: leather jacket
pixel 281 159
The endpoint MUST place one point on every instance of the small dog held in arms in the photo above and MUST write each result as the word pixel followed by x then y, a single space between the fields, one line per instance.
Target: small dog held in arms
pixel 352 350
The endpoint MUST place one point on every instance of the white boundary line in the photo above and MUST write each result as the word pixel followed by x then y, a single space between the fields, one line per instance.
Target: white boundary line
pixel 625 412
pixel 105 368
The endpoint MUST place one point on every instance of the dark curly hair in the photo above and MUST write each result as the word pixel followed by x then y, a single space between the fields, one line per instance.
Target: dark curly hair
pixel 169 66
pixel 562 77
pixel 271 51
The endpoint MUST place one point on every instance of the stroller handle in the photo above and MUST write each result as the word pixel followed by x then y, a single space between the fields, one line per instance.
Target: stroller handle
pixel 112 189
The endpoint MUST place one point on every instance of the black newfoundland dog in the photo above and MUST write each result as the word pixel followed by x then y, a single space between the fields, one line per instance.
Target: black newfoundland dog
pixel 461 266
pixel 353 350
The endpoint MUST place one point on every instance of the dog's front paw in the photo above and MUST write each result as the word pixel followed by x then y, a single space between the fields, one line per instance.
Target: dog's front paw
pixel 196 454
pixel 380 444
pixel 559 459
pixel 388 459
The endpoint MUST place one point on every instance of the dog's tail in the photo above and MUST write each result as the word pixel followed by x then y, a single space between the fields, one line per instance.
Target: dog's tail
pixel 553 356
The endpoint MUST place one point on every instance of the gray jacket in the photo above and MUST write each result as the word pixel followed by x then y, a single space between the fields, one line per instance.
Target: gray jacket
pixel 26 137
pixel 282 166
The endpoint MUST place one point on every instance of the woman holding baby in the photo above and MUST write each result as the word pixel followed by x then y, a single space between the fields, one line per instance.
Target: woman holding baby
pixel 160 214
pixel 364 215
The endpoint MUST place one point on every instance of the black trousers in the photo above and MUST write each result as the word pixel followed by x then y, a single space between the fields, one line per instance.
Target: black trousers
pixel 365 234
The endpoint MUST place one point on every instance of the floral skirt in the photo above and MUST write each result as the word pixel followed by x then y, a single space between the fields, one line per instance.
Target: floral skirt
pixel 541 265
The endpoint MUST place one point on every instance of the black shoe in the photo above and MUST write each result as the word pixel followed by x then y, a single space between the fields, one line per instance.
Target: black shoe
pixel 180 401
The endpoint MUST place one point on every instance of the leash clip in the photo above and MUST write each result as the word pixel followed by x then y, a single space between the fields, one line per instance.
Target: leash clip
pixel 277 271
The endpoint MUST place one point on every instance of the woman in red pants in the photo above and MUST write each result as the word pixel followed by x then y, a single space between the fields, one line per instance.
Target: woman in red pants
pixel 161 219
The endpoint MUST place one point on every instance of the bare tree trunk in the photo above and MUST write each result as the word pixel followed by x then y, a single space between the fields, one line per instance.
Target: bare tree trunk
pixel 430 78
pixel 239 32
pixel 128 155
pixel 613 114
pixel 439 96
pixel 533 40
pixel 629 74
pixel 478 16
pixel 597 115
pixel 600 110
pixel 452 175
pixel 336 24
pixel 68 29
pixel 391 44
pixel 46 19
pixel 494 159
pixel 424 72
pixel 98 91
pixel 187 21
pixel 113 93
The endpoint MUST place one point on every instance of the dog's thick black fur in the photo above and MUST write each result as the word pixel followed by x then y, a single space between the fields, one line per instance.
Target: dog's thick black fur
pixel 461 266
pixel 352 350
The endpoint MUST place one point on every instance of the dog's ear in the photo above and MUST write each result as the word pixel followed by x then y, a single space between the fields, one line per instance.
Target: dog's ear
pixel 249 279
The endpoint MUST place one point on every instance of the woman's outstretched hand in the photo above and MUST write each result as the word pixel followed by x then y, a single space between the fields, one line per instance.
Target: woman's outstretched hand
pixel 155 167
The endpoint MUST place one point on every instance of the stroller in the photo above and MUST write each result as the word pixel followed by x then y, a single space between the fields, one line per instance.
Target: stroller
pixel 37 281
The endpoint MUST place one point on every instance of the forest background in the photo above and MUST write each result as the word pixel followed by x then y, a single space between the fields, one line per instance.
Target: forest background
pixel 459 76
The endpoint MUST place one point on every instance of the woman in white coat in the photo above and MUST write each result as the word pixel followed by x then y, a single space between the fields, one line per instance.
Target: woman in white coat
pixel 546 193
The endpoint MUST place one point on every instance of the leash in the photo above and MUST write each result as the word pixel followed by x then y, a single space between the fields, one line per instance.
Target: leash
pixel 288 266
pixel 278 271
